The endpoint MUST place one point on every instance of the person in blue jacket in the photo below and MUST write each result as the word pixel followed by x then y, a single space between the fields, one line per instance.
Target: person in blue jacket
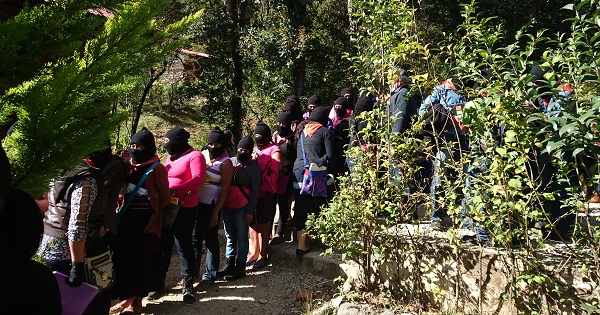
pixel 450 143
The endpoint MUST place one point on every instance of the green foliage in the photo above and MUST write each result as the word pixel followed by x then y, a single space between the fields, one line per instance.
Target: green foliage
pixel 64 107
pixel 512 146
pixel 272 39
pixel 351 223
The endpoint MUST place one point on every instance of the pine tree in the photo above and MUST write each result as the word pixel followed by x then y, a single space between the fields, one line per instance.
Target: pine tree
pixel 63 92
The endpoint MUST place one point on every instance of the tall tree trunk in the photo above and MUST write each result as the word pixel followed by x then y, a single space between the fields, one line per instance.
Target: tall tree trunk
pixel 298 15
pixel 237 13
pixel 138 112
pixel 299 75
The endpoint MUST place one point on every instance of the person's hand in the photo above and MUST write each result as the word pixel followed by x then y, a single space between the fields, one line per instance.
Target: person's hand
pixel 77 274
pixel 249 218
pixel 214 219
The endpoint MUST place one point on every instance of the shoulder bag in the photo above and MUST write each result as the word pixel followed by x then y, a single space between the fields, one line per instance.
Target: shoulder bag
pixel 314 180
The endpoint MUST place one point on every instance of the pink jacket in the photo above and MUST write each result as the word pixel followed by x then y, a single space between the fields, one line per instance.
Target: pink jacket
pixel 269 168
pixel 187 174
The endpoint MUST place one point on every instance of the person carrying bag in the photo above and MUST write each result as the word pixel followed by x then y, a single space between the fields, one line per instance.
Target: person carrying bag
pixel 310 171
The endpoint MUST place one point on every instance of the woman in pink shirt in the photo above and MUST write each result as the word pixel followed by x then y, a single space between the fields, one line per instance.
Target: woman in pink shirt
pixel 186 170
pixel 267 155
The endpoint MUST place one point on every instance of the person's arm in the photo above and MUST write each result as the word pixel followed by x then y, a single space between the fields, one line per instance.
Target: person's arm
pixel 329 151
pixel 276 156
pixel 424 105
pixel 433 98
pixel 255 181
pixel 226 169
pixel 82 199
pixel 157 184
pixel 400 111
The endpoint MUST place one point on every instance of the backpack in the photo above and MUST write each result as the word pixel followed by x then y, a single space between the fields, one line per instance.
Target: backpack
pixel 109 181
pixel 114 175
pixel 436 118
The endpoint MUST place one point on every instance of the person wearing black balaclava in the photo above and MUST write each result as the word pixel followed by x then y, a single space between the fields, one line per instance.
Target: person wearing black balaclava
pixel 267 154
pixel 316 145
pixel 313 101
pixel 240 208
pixel 341 134
pixel 187 169
pixel 137 264
pixel 348 94
pixel 284 138
pixel 214 191
pixel 292 105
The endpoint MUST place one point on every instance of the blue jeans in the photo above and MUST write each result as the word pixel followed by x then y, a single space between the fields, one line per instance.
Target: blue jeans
pixel 210 237
pixel 236 231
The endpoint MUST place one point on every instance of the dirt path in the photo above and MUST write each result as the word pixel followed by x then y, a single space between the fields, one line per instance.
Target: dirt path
pixel 272 290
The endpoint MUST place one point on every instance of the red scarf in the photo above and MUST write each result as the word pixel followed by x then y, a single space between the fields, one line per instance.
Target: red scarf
pixel 311 127
pixel 152 160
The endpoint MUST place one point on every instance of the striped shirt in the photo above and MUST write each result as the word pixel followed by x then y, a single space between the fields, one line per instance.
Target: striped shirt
pixel 212 181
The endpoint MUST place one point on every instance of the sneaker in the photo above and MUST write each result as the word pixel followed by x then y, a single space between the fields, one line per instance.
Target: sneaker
pixel 302 252
pixel 188 290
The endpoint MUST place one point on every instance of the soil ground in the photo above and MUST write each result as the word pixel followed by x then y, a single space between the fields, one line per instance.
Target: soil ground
pixel 271 290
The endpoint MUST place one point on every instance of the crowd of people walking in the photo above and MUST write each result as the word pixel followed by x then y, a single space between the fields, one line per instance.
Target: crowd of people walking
pixel 296 164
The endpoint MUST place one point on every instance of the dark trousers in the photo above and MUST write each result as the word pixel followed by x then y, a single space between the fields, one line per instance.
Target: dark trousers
pixel 284 212
pixel 209 236
pixel 180 234
pixel 304 206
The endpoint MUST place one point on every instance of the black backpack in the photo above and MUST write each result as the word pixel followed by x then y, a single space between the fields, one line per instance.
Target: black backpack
pixel 109 179
pixel 436 118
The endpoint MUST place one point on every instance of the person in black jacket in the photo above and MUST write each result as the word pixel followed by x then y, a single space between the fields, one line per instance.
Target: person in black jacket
pixel 316 144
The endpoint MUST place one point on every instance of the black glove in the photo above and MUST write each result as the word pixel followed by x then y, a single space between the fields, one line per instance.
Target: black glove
pixel 77 274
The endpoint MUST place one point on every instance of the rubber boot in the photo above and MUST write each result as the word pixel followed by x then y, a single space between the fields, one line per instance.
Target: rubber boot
pixel 239 272
pixel 229 268
pixel 188 289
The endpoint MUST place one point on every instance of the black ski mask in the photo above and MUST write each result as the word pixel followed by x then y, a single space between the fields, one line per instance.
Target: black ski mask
pixel 314 100
pixel 285 119
pixel 178 141
pixel 248 144
pixel 216 136
pixel 341 112
pixel 145 138
pixel 262 134
pixel 215 152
